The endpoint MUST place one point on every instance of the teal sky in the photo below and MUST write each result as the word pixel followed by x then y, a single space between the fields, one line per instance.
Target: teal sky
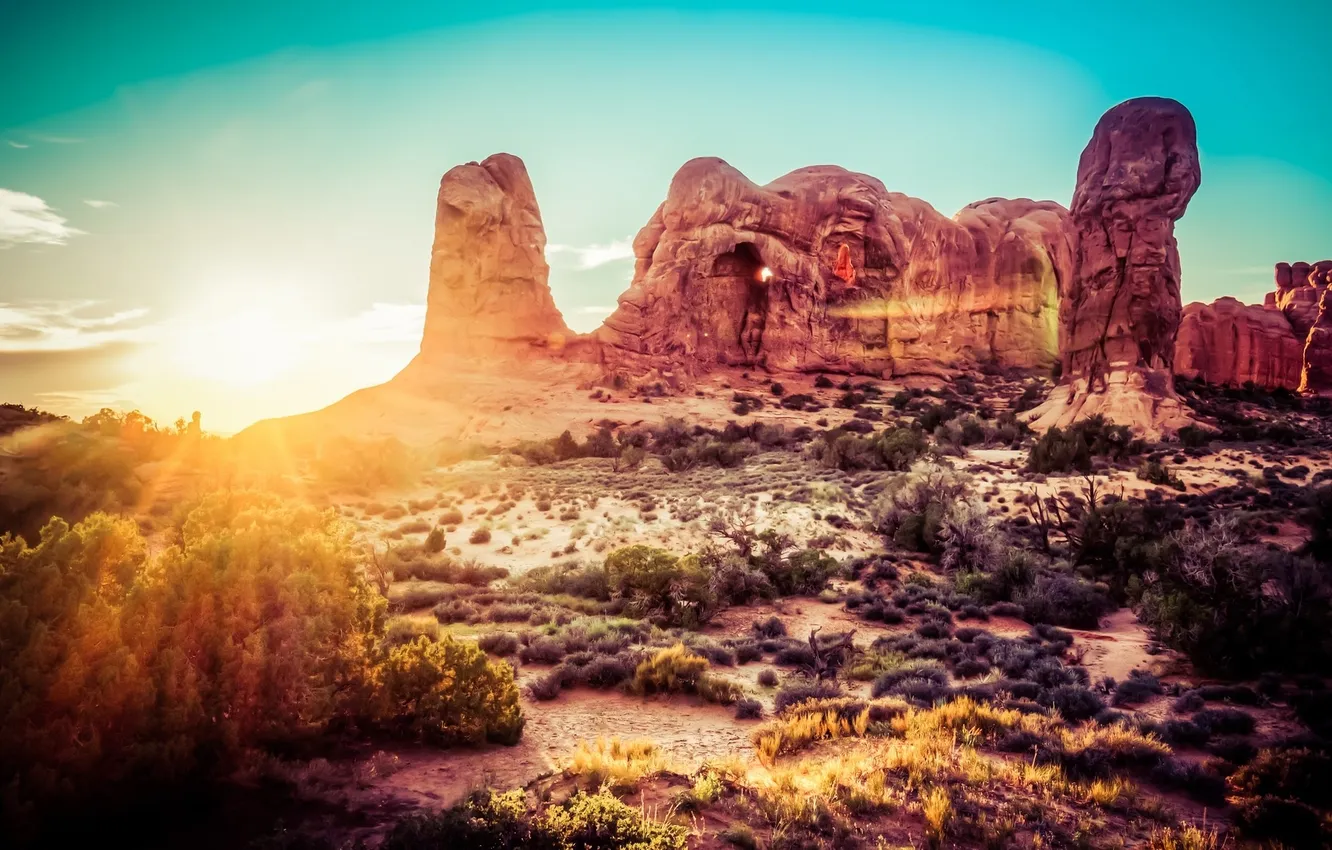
pixel 228 207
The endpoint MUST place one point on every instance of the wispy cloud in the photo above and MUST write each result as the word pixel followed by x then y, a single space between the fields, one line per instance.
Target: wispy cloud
pixel 594 256
pixel 98 205
pixel 56 140
pixel 19 145
pixel 48 326
pixel 26 218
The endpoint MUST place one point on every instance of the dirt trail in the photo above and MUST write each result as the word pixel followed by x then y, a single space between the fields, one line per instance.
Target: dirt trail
pixel 1117 648
pixel 688 732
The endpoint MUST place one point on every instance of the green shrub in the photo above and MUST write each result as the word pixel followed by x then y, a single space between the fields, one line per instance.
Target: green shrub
pixel 805 574
pixel 1156 472
pixel 892 448
pixel 656 583
pixel 1070 449
pixel 434 542
pixel 1239 610
pixel 910 510
pixel 601 822
pixel 490 821
pixel 447 691
pixel 260 607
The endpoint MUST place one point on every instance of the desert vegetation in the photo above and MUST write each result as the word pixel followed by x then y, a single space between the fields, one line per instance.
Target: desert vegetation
pixel 852 615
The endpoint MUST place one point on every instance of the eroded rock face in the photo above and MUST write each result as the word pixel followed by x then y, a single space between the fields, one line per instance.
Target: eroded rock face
pixel 1301 294
pixel 1230 344
pixel 1120 310
pixel 489 292
pixel 826 269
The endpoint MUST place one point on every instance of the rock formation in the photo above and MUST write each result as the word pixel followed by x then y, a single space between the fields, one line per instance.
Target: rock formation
pixel 488 291
pixel 1232 344
pixel 1120 310
pixel 826 269
pixel 1301 294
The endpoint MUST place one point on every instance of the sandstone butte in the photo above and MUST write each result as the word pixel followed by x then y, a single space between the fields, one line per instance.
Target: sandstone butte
pixel 825 269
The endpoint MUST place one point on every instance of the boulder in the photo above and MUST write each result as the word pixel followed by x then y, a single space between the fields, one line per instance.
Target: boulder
pixel 1120 309
pixel 1232 344
pixel 825 269
pixel 489 294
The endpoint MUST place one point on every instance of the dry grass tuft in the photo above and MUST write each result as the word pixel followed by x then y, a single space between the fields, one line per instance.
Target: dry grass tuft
pixel 615 763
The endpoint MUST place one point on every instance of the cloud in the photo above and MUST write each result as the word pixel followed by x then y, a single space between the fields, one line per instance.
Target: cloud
pixel 98 205
pixel 27 219
pixel 593 256
pixel 56 140
pixel 54 326
pixel 19 145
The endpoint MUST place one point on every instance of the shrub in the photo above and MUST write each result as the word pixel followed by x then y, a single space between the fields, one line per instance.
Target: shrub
pixel 543 650
pixel 795 654
pixel 1065 601
pixel 1066 450
pixel 794 693
pixel 656 583
pixel 100 635
pixel 480 535
pixel 597 821
pixel 1137 688
pixel 716 689
pixel 434 542
pixel 669 670
pixel 1237 610
pixel 1073 702
pixel 448 691
pixel 805 573
pixel 498 643
pixel 767 678
pixel 1225 721
pixel 450 516
pixel 892 448
pixel 588 581
pixel 911 508
pixel 748 709
pixel 968 539
pixel 483 821
pixel 772 627
pixel 890 681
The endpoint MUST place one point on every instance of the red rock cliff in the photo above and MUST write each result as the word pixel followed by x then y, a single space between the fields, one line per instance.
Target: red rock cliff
pixel 729 272
pixel 1233 344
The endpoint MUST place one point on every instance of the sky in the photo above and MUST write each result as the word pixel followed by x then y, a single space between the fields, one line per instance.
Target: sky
pixel 229 207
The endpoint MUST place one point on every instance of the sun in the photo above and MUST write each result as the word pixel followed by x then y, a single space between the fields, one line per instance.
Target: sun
pixel 245 348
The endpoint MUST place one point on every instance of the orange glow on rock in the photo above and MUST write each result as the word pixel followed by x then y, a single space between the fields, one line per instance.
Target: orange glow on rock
pixel 843 267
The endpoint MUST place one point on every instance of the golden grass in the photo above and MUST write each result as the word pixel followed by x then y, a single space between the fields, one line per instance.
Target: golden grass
pixel 972 721
pixel 793 733
pixel 619 764
pixel 668 671
pixel 1107 793
pixel 1187 837
pixel 937 807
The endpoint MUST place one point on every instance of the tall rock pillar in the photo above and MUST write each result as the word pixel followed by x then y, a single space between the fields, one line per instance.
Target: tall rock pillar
pixel 1120 311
